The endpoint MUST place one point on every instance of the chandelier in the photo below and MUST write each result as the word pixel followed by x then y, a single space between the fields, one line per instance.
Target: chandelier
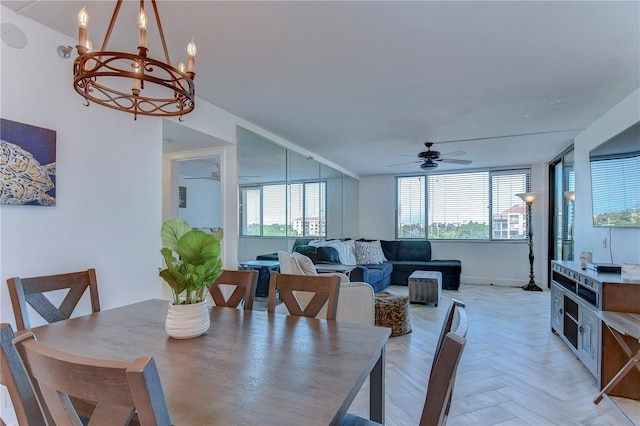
pixel 133 82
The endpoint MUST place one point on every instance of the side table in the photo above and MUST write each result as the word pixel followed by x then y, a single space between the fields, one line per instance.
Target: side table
pixel 425 287
pixel 334 267
pixel 264 268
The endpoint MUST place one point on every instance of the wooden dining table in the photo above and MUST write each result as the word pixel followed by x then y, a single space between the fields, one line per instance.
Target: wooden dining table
pixel 251 367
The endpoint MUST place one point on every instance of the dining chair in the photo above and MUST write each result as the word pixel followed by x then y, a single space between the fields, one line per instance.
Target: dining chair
pixel 245 283
pixel 356 304
pixel 439 389
pixel 14 377
pixel 31 291
pixel 119 390
pixel 456 321
pixel 318 290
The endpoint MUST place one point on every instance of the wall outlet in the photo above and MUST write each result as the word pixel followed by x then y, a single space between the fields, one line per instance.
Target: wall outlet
pixel 605 241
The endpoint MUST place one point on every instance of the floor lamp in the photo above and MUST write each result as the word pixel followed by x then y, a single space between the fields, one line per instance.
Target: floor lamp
pixel 529 198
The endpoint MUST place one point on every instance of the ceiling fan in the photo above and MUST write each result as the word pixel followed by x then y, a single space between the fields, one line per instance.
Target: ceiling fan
pixel 215 175
pixel 431 158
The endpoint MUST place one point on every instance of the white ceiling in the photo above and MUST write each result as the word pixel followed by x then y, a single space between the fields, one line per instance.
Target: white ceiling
pixel 362 83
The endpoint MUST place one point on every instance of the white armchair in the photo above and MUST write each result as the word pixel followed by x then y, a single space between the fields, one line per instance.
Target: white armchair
pixel 355 302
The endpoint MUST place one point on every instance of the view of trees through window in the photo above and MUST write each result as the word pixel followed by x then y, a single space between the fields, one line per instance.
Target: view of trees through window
pixel 278 210
pixel 471 206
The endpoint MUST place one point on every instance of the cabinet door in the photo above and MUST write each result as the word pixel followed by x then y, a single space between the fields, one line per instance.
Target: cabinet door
pixel 556 308
pixel 589 339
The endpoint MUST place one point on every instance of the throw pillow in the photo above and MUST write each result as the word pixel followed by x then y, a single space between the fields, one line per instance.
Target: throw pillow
pixel 289 264
pixel 348 253
pixel 316 243
pixel 369 253
pixel 305 264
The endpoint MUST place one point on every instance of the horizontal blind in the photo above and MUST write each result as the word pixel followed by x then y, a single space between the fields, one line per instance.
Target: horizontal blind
pixel 410 207
pixel 250 211
pixel 615 185
pixel 458 206
pixel 296 209
pixel 274 213
pixel 508 218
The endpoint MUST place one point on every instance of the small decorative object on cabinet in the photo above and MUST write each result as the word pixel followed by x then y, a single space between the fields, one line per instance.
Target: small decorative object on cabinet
pixel 190 272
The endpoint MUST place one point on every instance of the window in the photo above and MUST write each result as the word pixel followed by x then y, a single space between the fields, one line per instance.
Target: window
pixel 264 210
pixel 462 206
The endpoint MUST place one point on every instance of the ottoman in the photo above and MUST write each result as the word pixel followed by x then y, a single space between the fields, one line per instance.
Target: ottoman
pixel 393 311
pixel 425 287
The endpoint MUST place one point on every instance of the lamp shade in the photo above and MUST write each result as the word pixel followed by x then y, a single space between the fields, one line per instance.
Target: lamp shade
pixel 528 197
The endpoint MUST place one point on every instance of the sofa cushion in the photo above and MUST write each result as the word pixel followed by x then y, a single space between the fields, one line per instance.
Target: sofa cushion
pixel 386 268
pixel 326 254
pixel 414 250
pixel 369 253
pixel 390 249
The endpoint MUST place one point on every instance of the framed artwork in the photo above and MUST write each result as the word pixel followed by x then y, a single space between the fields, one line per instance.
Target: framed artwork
pixel 27 164
pixel 182 197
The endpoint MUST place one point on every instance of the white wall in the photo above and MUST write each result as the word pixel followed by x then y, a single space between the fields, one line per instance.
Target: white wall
pixel 108 209
pixel 203 203
pixel 500 263
pixel 623 244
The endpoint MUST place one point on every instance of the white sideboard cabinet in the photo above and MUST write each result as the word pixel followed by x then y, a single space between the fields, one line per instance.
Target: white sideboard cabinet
pixel 577 297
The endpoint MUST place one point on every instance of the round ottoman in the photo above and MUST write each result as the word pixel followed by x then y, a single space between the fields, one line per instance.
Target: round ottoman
pixel 393 311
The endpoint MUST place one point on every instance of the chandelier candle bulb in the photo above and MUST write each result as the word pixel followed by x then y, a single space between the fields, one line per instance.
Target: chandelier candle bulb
pixel 83 20
pixel 136 81
pixel 191 54
pixel 142 24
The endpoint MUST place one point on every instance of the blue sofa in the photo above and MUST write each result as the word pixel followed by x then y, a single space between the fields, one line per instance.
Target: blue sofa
pixel 409 256
pixel 403 258
pixel 378 276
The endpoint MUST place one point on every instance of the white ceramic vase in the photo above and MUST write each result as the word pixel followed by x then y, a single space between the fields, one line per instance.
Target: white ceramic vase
pixel 187 321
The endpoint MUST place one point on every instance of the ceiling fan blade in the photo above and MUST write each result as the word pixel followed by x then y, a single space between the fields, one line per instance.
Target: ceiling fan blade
pixel 454 154
pixel 406 162
pixel 454 161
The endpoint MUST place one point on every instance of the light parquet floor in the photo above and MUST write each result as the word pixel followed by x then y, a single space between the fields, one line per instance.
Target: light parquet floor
pixel 514 370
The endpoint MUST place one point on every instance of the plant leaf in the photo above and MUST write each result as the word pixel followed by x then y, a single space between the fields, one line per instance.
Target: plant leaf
pixel 197 247
pixel 171 232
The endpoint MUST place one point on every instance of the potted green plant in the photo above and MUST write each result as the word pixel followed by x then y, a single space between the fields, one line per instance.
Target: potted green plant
pixel 192 259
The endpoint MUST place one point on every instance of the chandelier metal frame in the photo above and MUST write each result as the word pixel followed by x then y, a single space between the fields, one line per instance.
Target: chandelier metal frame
pixel 91 69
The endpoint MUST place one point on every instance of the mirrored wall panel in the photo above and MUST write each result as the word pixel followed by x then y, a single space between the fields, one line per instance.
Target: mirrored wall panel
pixel 285 195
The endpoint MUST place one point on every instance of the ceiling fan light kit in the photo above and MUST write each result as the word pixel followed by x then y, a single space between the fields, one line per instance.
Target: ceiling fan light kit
pixel 429 165
pixel 117 79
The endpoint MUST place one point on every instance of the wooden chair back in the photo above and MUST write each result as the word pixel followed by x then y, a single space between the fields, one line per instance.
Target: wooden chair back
pixel 455 311
pixel 325 290
pixel 441 381
pixel 245 282
pixel 14 377
pixel 119 389
pixel 31 291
